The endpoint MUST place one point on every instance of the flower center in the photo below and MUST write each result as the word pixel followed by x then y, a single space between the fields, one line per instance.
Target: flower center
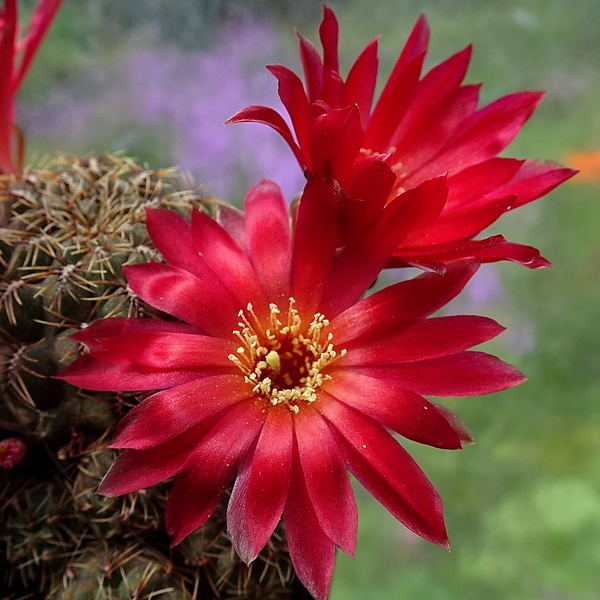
pixel 284 361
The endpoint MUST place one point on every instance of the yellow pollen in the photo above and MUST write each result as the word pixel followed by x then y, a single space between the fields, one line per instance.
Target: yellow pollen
pixel 284 361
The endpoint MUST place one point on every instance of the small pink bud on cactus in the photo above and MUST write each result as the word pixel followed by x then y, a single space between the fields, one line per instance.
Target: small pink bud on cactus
pixel 12 452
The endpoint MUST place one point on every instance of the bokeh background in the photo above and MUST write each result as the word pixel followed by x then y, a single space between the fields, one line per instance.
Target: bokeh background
pixel 158 78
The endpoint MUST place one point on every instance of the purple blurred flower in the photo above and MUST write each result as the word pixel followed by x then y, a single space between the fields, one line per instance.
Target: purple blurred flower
pixel 184 98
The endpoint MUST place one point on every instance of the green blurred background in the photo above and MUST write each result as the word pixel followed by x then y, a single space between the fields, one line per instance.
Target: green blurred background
pixel 523 504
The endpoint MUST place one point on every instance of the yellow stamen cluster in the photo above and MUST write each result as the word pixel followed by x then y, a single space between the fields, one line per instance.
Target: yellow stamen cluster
pixel 283 361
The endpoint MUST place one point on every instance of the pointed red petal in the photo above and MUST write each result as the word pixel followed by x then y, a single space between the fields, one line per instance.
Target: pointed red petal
pixel 311 550
pixel 483 137
pixel 233 221
pixel 314 244
pixel 433 258
pixel 361 260
pixel 337 137
pixel 270 117
pixel 138 469
pixel 483 180
pixel 8 32
pixel 525 255
pixel 424 339
pixel 210 467
pixel 399 304
pixel 382 466
pixel 268 225
pixel 326 480
pixel 204 304
pixel 261 487
pixel 460 374
pixel 328 32
pixel 536 179
pixel 168 413
pixel 114 327
pixel 395 407
pixel 172 236
pixel 41 20
pixel 313 68
pixel 333 86
pixel 458 225
pixel 360 83
pixel 399 90
pixel 372 180
pixel 439 108
pixel 172 350
pixel 293 97
pixel 103 371
pixel 226 258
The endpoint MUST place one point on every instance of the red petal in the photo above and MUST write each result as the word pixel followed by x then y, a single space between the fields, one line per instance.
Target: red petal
pixel 261 487
pixel 41 20
pixel 382 466
pixel 226 258
pixel 270 117
pixel 399 304
pixel 480 181
pixel 432 258
pixel 536 179
pixel 311 550
pixel 525 255
pixel 8 33
pixel 486 134
pixel 137 469
pixel 460 374
pixel 333 85
pixel 177 292
pixel 438 109
pixel 172 235
pixel 314 244
pixel 458 225
pixel 103 371
pixel 361 81
pixel 458 426
pixel 313 68
pixel 169 413
pixel 171 350
pixel 326 480
pixel 372 180
pixel 268 224
pixel 427 338
pixel 293 97
pixel 399 409
pixel 210 467
pixel 233 221
pixel 399 90
pixel 337 137
pixel 115 327
pixel 361 260
pixel 328 32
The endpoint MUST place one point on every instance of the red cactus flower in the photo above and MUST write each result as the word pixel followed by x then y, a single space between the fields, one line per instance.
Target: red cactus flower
pixel 281 378
pixel 420 128
pixel 15 59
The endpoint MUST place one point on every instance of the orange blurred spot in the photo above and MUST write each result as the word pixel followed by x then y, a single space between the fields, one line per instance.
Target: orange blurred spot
pixel 588 165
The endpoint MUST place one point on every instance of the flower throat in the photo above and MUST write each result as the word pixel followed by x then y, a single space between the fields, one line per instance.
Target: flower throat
pixel 284 360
